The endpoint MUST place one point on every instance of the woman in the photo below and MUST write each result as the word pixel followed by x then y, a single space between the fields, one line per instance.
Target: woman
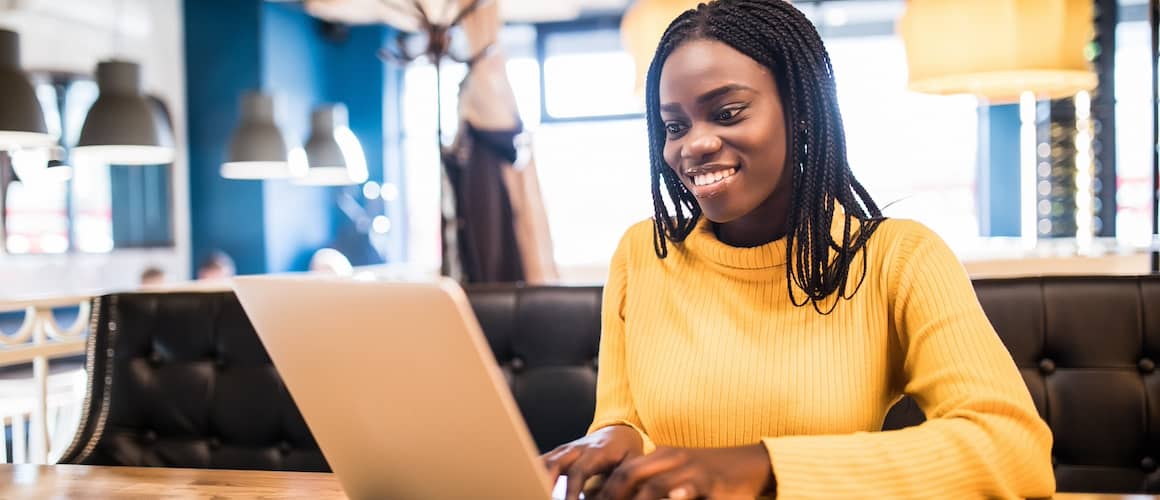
pixel 755 336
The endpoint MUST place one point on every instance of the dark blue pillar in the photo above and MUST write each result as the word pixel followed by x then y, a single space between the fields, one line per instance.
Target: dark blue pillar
pixel 222 59
pixel 999 164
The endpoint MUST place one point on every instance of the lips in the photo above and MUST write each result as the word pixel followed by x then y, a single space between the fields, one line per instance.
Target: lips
pixel 709 181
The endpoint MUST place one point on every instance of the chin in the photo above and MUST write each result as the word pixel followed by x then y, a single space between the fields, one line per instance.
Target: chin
pixel 721 215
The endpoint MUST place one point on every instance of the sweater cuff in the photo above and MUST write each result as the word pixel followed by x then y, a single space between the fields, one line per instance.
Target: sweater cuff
pixel 648 445
pixel 800 463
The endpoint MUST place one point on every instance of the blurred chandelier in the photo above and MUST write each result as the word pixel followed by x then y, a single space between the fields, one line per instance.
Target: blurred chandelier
pixel 998 49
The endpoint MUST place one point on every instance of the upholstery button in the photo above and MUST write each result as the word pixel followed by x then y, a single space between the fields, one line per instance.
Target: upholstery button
pixel 1146 366
pixel 517 364
pixel 214 443
pixel 220 362
pixel 150 437
pixel 284 447
pixel 1046 366
pixel 155 358
pixel 1148 464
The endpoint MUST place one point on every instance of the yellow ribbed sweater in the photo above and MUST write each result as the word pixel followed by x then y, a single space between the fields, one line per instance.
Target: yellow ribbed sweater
pixel 704 349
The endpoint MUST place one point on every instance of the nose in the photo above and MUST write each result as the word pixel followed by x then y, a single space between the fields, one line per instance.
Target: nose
pixel 700 146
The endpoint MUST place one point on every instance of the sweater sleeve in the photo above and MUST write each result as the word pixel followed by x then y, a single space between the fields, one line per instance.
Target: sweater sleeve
pixel 614 403
pixel 982 437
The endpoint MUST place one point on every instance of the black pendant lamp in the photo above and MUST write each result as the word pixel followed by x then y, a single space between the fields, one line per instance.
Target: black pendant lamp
pixel 21 118
pixel 124 127
pixel 333 152
pixel 258 148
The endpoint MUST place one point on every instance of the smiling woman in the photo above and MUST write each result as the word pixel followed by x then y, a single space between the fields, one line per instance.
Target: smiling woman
pixel 756 331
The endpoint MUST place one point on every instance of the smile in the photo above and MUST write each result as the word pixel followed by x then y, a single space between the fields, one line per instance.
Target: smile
pixel 711 178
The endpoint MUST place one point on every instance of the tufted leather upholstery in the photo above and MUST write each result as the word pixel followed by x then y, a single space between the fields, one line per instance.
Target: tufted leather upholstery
pixel 1087 348
pixel 546 341
pixel 193 387
pixel 181 380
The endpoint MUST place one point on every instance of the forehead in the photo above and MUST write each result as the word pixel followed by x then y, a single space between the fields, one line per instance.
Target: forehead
pixel 699 66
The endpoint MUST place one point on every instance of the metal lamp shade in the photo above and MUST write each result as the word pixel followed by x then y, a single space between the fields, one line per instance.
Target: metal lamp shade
pixel 124 127
pixel 333 153
pixel 258 148
pixel 21 119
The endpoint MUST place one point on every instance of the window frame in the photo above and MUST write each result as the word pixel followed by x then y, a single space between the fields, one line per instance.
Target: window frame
pixel 545 31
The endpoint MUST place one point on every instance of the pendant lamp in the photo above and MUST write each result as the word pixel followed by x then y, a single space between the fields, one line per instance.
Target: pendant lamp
pixel 21 118
pixel 998 49
pixel 258 148
pixel 333 153
pixel 124 127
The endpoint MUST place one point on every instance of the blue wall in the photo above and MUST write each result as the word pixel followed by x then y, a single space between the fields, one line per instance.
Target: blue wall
pixel 276 226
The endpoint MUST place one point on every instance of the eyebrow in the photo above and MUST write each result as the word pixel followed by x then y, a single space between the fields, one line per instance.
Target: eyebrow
pixel 709 96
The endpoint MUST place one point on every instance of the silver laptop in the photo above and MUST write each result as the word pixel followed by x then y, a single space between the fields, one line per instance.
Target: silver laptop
pixel 399 387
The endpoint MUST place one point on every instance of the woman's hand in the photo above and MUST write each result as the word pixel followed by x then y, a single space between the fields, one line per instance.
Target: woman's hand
pixel 685 474
pixel 596 453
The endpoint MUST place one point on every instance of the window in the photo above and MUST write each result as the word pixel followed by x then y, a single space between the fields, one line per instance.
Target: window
pixel 1133 131
pixel 100 208
pixel 571 89
pixel 916 154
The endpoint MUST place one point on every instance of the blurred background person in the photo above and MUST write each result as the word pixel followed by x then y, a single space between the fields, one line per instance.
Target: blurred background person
pixel 152 276
pixel 218 266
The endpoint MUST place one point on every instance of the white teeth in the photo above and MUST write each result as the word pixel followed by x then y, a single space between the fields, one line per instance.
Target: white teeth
pixel 713 177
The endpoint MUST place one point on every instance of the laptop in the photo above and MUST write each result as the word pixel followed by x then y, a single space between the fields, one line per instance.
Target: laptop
pixel 399 387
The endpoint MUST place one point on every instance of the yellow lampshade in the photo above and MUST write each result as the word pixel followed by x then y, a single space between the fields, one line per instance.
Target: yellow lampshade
pixel 642 27
pixel 998 49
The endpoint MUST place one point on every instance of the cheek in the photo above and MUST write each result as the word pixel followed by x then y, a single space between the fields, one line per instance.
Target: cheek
pixel 766 146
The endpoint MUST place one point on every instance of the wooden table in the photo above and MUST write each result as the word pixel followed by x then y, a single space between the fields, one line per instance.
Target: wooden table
pixel 83 481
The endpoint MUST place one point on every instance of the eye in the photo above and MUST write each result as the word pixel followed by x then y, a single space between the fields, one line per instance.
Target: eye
pixel 725 115
pixel 674 129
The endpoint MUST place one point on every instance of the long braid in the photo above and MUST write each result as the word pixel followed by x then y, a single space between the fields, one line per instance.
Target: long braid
pixel 778 36
pixel 666 227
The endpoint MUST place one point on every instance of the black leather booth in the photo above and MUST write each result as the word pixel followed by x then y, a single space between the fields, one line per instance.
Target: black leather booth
pixel 180 379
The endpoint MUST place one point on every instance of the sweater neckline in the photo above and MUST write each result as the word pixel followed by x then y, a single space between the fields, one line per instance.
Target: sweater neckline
pixel 702 242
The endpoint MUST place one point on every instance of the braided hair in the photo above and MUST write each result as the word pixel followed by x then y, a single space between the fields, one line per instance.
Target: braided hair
pixel 782 39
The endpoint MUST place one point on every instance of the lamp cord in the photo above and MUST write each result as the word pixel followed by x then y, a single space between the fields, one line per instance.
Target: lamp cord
pixel 118 12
